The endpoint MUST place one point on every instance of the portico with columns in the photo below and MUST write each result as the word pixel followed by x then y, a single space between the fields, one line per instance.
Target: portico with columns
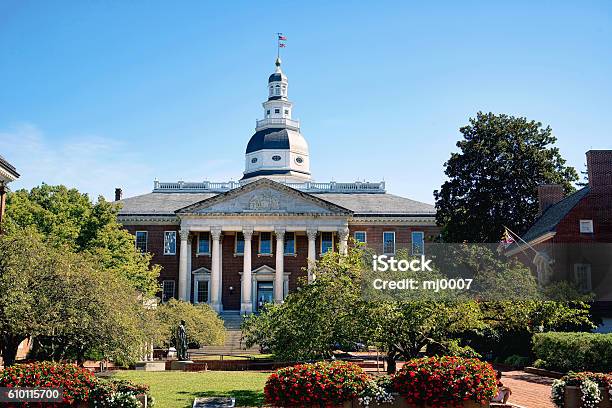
pixel 262 206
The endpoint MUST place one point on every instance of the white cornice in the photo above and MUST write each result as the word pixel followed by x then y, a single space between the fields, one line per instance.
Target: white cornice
pixel 149 219
pixel 6 176
pixel 422 221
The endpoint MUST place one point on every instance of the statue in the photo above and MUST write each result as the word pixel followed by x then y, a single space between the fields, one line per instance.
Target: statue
pixel 181 342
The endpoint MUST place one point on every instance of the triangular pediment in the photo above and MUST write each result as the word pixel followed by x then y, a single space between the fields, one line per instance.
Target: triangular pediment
pixel 265 196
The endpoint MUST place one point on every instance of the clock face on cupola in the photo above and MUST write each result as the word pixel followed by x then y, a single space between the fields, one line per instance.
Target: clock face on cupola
pixel 277 150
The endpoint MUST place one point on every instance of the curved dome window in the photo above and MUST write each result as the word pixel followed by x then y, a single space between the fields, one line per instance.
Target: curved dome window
pixel 299 160
pixel 276 158
pixel 254 160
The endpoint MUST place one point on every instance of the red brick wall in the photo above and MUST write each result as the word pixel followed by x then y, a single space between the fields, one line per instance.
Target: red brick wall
pixel 403 235
pixel 155 245
pixel 232 264
pixel 596 207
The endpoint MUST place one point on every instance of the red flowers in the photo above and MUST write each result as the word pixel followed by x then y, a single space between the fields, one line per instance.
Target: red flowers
pixel 446 381
pixel 75 381
pixel 322 383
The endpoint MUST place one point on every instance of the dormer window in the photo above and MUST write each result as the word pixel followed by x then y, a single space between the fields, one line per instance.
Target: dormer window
pixel 276 158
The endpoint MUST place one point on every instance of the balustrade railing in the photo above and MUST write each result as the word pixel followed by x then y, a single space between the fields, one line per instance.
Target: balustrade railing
pixel 308 187
pixel 278 121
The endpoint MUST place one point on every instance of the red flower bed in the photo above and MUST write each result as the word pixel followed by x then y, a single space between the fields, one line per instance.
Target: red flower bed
pixel 324 384
pixel 76 382
pixel 446 381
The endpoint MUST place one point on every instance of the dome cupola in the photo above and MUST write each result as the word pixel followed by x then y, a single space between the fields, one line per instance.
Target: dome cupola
pixel 277 149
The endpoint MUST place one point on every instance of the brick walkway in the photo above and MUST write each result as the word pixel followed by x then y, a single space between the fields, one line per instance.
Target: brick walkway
pixel 528 390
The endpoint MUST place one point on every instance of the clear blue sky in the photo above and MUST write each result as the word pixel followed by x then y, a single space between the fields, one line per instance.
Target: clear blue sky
pixel 98 94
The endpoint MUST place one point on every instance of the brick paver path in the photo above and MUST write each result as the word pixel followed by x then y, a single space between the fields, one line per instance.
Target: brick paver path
pixel 528 390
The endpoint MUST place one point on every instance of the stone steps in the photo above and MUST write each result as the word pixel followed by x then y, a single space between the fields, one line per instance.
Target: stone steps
pixel 232 346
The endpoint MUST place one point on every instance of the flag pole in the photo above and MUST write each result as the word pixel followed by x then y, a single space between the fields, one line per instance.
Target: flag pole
pixel 278 40
pixel 521 239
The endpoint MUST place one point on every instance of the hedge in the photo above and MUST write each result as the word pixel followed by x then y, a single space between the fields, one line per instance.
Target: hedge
pixel 574 351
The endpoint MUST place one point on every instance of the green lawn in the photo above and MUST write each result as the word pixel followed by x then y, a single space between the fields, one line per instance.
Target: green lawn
pixel 177 389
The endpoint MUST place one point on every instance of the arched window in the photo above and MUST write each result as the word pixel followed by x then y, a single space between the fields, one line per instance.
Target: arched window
pixel 277 90
pixel 271 90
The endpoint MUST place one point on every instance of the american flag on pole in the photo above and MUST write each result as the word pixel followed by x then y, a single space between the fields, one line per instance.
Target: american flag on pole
pixel 506 240
pixel 282 38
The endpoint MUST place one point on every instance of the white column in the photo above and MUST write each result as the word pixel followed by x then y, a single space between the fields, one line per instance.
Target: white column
pixel 189 241
pixel 246 306
pixel 182 281
pixel 312 254
pixel 221 272
pixel 280 266
pixel 343 234
pixel 215 233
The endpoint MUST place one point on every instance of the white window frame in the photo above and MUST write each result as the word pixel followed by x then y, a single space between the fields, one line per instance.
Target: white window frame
pixel 259 253
pixel 164 289
pixel 196 284
pixel 146 240
pixel 588 284
pixel 365 236
pixel 209 244
pixel 294 244
pixel 422 234
pixel 236 253
pixel 394 244
pixel 165 240
pixel 588 226
pixel 333 242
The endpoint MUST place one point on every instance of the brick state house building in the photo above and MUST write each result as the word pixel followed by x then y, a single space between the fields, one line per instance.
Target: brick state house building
pixel 238 245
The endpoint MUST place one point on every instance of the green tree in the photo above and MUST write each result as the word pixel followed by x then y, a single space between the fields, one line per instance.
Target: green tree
pixel 319 317
pixel 68 302
pixel 67 218
pixel 203 325
pixel 493 179
pixel 335 312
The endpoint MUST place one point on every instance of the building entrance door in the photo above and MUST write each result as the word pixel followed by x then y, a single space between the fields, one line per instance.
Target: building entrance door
pixel 265 293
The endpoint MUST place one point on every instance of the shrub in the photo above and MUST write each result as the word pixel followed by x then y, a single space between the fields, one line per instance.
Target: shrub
pixel 76 382
pixel 589 384
pixel 446 381
pixel 574 351
pixel 516 361
pixel 321 383
pixel 118 393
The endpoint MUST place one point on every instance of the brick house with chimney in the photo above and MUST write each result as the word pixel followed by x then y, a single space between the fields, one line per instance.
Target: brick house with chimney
pixel 237 245
pixel 572 237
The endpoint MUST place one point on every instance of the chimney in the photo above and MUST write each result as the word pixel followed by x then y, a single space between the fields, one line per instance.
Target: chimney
pixel 118 194
pixel 549 194
pixel 599 166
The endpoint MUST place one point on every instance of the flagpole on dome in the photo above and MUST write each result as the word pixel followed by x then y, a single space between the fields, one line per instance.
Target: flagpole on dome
pixel 280 43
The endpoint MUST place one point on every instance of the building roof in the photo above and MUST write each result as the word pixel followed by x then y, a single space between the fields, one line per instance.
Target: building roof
pixel 552 216
pixel 378 204
pixel 277 77
pixel 362 204
pixel 270 138
pixel 8 167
